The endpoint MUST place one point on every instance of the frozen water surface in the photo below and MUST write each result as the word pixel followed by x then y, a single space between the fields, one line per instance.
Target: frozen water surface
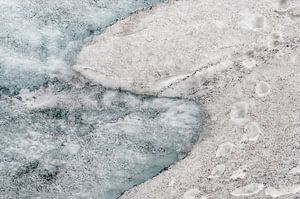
pixel 89 142
pixel 42 37
pixel 63 138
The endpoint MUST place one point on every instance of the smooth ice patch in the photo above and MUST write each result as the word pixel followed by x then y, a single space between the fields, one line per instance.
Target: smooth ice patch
pixel 275 39
pixel 295 170
pixel 240 173
pixel 284 190
pixel 294 12
pixel 225 149
pixel 252 132
pixel 191 194
pixel 89 142
pixel 262 89
pixel 253 22
pixel 282 4
pixel 239 112
pixel 249 63
pixel 248 190
pixel 217 171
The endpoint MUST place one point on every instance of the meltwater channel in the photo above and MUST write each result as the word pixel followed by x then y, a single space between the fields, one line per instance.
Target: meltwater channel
pixel 60 135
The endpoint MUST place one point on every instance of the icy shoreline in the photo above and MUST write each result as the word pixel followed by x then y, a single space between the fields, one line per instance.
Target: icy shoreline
pixel 62 135
pixel 241 60
pixel 40 40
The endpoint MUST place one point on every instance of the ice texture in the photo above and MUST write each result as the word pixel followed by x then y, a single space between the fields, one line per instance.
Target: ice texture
pixel 65 141
pixel 40 38
pixel 62 136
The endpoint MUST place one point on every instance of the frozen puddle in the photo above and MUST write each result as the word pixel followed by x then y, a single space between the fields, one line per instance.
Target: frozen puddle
pixel 89 142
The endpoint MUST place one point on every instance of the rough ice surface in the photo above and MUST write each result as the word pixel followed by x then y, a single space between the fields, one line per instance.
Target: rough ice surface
pixel 38 37
pixel 88 142
pixel 61 136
